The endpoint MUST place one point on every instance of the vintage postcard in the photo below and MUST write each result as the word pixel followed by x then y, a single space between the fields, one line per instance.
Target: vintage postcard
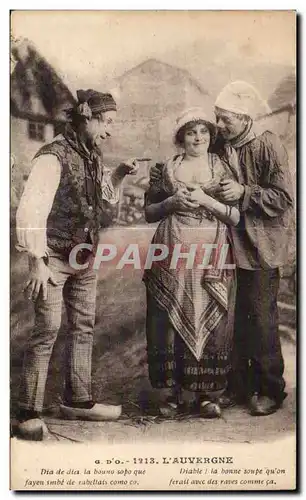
pixel 153 250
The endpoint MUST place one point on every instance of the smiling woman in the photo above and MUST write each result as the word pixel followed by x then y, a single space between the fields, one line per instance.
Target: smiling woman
pixel 190 308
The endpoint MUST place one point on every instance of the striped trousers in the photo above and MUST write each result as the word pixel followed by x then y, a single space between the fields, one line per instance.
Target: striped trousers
pixel 77 289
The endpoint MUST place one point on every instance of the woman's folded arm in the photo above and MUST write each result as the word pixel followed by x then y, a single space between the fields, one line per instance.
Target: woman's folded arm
pixel 228 214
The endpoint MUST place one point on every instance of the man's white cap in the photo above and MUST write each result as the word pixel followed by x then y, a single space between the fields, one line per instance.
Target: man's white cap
pixel 187 116
pixel 242 98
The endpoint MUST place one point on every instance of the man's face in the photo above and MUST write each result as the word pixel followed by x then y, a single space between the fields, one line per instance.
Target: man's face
pixel 229 124
pixel 98 129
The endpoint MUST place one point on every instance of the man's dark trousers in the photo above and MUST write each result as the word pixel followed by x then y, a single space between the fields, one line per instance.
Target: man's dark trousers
pixel 258 364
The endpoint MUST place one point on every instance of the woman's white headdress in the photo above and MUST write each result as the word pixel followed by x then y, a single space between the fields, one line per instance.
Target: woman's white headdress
pixel 187 116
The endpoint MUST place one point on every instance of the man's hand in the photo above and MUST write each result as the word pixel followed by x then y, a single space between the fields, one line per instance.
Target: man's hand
pixel 155 174
pixel 230 191
pixel 40 274
pixel 181 201
pixel 128 167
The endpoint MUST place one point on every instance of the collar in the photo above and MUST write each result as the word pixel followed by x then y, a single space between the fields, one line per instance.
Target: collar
pixel 246 136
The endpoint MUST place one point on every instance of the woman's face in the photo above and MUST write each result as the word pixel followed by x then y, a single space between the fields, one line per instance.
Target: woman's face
pixel 196 139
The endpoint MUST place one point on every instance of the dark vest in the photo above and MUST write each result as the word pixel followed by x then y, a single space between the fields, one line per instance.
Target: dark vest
pixel 74 215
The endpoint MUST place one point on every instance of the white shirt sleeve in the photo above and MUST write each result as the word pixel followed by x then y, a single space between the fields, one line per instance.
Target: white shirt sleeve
pixel 35 205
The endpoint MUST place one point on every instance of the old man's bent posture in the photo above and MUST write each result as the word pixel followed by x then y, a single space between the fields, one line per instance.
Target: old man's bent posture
pixel 63 205
pixel 260 244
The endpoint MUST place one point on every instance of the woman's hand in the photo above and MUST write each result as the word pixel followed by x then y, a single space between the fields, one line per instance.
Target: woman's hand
pixel 198 196
pixel 224 213
pixel 40 274
pixel 181 201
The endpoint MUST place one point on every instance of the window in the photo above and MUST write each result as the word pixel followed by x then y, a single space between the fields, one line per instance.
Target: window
pixel 36 131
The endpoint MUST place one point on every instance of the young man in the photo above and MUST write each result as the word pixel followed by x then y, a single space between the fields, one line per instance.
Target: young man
pixel 260 244
pixel 64 204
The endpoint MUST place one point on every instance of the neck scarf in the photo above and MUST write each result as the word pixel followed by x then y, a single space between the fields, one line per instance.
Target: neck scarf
pixel 246 136
pixel 92 164
pixel 228 152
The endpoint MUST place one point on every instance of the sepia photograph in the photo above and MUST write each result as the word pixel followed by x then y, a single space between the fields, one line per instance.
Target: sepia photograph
pixel 153 327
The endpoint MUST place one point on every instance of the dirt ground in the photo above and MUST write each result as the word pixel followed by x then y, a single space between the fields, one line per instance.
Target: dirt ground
pixel 235 426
